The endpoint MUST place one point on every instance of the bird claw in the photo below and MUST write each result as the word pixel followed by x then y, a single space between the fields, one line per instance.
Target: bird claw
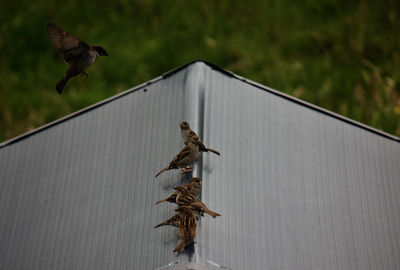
pixel 84 74
pixel 187 169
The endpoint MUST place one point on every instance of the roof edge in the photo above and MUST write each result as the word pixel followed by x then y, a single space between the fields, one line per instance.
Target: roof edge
pixel 102 102
pixel 79 112
pixel 215 67
pixel 303 103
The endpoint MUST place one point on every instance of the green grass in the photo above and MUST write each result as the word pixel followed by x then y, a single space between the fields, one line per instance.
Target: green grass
pixel 340 55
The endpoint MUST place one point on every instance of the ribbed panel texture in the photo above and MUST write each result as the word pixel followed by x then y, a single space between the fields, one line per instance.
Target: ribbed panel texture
pixel 296 188
pixel 81 194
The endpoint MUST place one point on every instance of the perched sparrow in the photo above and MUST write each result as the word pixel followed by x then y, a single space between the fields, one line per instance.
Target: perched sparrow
pixel 197 213
pixel 187 228
pixel 170 199
pixel 199 207
pixel 188 133
pixel 187 156
pixel 173 221
pixel 184 198
pixel 193 187
pixel 75 52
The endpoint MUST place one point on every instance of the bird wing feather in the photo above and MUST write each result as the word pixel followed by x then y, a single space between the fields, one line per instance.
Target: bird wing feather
pixel 181 156
pixel 67 45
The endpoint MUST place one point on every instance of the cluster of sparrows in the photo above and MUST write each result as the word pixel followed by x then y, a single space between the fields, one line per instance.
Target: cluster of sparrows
pixel 80 56
pixel 190 208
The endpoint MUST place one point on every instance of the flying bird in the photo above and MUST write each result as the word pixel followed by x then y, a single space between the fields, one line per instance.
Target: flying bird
pixel 74 51
pixel 188 133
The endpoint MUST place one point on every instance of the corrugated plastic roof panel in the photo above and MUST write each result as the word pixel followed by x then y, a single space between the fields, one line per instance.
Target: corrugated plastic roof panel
pixel 298 187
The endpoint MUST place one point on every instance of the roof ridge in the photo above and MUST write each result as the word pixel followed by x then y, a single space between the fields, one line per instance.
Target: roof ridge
pixel 214 67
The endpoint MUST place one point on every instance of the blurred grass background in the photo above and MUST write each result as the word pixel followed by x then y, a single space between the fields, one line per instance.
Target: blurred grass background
pixel 341 55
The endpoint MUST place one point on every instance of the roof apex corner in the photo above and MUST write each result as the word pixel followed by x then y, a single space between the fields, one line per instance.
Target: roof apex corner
pixel 198 61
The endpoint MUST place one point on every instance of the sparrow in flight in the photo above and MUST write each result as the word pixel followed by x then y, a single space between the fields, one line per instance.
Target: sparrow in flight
pixel 74 51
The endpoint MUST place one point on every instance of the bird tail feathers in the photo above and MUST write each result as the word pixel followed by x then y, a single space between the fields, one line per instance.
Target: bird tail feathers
pixel 211 213
pixel 160 201
pixel 163 170
pixel 180 246
pixel 214 151
pixel 61 84
pixel 161 224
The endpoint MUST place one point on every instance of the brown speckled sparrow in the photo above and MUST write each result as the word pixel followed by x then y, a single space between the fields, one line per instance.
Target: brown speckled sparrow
pixel 187 228
pixel 193 187
pixel 184 198
pixel 186 156
pixel 199 207
pixel 74 51
pixel 188 133
pixel 173 221
pixel 197 213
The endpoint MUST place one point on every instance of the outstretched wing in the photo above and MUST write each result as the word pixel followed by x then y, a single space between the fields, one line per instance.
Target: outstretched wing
pixel 67 45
